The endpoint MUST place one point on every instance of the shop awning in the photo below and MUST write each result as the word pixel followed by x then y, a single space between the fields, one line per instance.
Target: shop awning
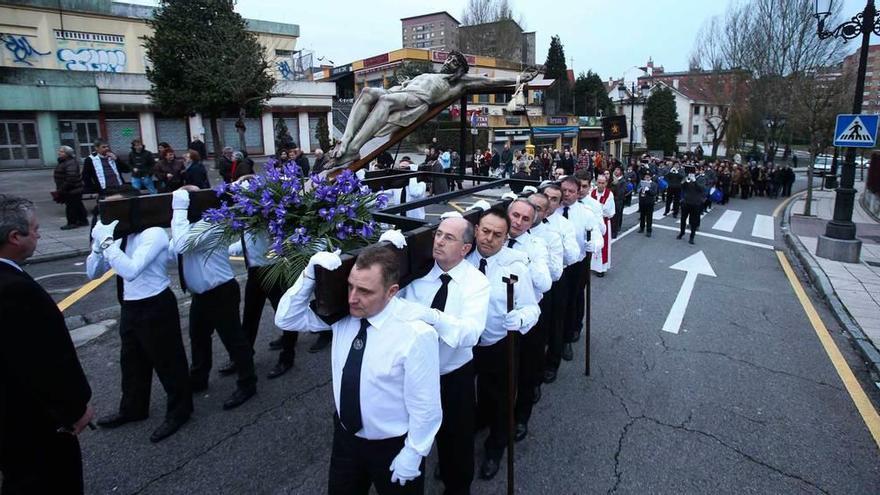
pixel 556 131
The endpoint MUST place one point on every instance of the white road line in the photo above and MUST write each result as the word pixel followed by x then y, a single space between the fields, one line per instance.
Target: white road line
pixel 721 238
pixel 658 214
pixel 763 227
pixel 629 210
pixel 727 221
pixel 621 236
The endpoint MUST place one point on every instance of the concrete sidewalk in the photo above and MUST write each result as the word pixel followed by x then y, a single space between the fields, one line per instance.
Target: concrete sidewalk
pixel 851 289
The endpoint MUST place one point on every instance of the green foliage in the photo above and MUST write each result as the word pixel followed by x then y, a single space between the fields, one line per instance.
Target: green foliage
pixel 555 68
pixel 283 139
pixel 660 121
pixel 203 59
pixel 323 134
pixel 590 95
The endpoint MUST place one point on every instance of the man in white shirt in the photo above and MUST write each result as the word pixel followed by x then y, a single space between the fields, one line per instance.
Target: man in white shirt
pixel 498 262
pixel 413 191
pixel 458 295
pixel 206 273
pixel 571 255
pixel 587 232
pixel 149 324
pixel 385 376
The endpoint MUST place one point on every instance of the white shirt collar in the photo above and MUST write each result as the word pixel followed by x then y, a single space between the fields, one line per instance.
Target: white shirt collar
pixel 457 273
pixel 11 263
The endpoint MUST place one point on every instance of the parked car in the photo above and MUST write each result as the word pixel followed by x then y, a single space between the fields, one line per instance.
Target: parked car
pixel 822 164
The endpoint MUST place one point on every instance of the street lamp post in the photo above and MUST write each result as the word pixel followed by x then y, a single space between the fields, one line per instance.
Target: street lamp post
pixel 839 242
pixel 635 94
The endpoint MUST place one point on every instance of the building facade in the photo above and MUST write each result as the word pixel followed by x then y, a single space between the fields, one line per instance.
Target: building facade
pixel 871 96
pixel 435 31
pixel 72 71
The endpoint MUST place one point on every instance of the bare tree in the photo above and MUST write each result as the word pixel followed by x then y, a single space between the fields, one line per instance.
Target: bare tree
pixel 501 33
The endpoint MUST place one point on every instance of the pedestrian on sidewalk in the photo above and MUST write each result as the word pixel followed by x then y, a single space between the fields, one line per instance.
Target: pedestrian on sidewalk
pixel 169 170
pixel 693 196
pixel 69 187
pixel 194 173
pixel 44 394
pixel 141 161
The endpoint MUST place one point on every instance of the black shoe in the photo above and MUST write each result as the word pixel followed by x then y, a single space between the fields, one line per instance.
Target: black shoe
pixel 522 430
pixel 536 397
pixel 549 376
pixel 679 236
pixel 691 240
pixel 665 213
pixel 642 230
pixel 488 469
pixel 575 337
pixel 197 386
pixel 324 339
pixel 648 234
pixel 276 344
pixel 279 369
pixel 614 235
pixel 239 397
pixel 70 226
pixel 600 274
pixel 675 216
pixel 567 353
pixel 168 428
pixel 228 368
pixel 118 419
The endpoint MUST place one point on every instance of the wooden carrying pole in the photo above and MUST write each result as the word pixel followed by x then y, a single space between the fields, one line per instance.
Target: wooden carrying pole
pixel 587 320
pixel 511 387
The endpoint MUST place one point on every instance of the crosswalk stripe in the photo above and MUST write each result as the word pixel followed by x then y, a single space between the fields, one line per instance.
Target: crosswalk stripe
pixel 629 210
pixel 658 214
pixel 727 221
pixel 763 227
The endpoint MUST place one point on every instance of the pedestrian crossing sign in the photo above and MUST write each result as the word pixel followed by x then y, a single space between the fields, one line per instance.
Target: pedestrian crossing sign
pixel 856 131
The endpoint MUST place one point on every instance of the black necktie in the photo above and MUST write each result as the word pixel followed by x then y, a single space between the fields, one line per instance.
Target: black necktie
pixel 403 195
pixel 350 388
pixel 180 272
pixel 120 287
pixel 482 268
pixel 565 212
pixel 439 302
pixel 511 242
pixel 544 220
pixel 244 252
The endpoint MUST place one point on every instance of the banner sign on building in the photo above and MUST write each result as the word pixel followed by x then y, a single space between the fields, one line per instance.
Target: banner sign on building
pixel 614 127
pixel 377 60
pixel 511 120
pixel 590 121
pixel 342 69
pixel 482 121
pixel 440 57
pixel 557 120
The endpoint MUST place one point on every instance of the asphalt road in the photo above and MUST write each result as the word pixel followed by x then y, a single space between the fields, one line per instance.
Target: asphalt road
pixel 742 400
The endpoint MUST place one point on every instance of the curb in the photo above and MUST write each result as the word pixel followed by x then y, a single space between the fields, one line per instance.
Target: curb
pixel 43 258
pixel 823 286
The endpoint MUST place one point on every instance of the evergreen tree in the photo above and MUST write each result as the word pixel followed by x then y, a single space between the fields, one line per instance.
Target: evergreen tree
pixel 555 68
pixel 283 139
pixel 591 96
pixel 203 59
pixel 660 121
pixel 323 134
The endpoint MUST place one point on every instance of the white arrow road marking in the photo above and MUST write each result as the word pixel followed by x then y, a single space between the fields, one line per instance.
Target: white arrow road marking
pixel 693 265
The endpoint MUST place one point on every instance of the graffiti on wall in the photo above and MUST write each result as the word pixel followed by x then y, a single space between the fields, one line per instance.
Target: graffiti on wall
pixel 92 59
pixel 20 48
pixel 285 70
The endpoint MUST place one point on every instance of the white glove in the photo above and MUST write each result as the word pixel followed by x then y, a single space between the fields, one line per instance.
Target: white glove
pixel 395 237
pixel 509 195
pixel 180 199
pixel 235 249
pixel 425 314
pixel 530 189
pixel 405 467
pixel 324 259
pixel 102 231
pixel 481 204
pixel 512 321
pixel 450 214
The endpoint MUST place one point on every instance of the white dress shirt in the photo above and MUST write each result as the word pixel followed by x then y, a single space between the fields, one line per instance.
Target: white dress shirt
pixel 554 248
pixel 143 266
pixel 400 374
pixel 11 263
pixel 501 265
pixel 204 266
pixel 583 220
pixel 538 261
pixel 464 318
pixel 415 191
pixel 570 249
pixel 256 248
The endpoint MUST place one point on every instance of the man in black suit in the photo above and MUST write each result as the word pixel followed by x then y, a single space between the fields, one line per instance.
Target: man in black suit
pixel 44 395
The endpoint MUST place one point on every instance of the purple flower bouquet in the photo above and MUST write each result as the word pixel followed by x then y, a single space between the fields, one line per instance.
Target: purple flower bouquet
pixel 299 217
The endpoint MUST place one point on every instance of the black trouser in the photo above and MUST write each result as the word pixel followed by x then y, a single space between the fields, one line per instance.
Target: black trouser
pixel 455 440
pixel 646 215
pixel 531 362
pixel 690 214
pixel 356 463
pixel 786 188
pixel 673 197
pixel 491 363
pixel 41 462
pixel 617 219
pixel 218 309
pixel 255 295
pixel 75 210
pixel 560 311
pixel 150 333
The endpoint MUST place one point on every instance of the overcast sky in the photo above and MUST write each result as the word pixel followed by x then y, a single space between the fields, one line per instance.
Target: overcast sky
pixel 606 37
